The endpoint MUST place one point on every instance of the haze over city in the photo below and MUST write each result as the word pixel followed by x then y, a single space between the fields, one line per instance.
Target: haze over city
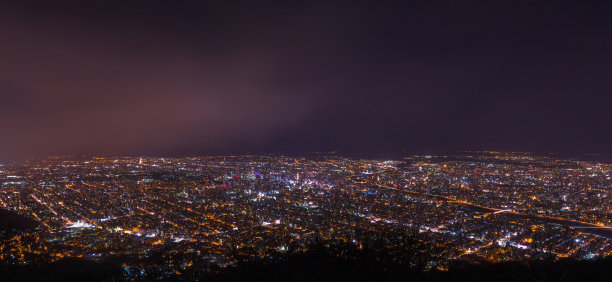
pixel 149 77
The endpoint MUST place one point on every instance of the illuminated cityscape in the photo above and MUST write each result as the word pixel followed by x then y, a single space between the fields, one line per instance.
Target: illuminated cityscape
pixel 194 140
pixel 488 206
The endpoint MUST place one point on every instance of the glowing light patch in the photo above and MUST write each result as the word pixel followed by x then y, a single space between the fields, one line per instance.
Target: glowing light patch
pixel 80 224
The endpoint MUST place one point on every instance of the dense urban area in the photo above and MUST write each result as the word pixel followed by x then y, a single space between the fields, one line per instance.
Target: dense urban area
pixel 168 213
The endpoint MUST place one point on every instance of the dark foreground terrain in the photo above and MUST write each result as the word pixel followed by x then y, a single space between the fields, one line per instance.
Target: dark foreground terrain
pixel 11 221
pixel 315 267
pixel 321 266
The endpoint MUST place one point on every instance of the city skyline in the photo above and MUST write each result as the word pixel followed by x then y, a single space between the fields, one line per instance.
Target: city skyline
pixel 165 216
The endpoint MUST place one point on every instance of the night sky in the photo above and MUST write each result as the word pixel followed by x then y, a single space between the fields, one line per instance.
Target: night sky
pixel 276 76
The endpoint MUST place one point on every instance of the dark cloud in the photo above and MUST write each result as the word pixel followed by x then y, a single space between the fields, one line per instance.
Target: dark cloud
pixel 193 77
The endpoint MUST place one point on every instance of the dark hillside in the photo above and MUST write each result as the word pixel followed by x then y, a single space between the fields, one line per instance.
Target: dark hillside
pixel 12 221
